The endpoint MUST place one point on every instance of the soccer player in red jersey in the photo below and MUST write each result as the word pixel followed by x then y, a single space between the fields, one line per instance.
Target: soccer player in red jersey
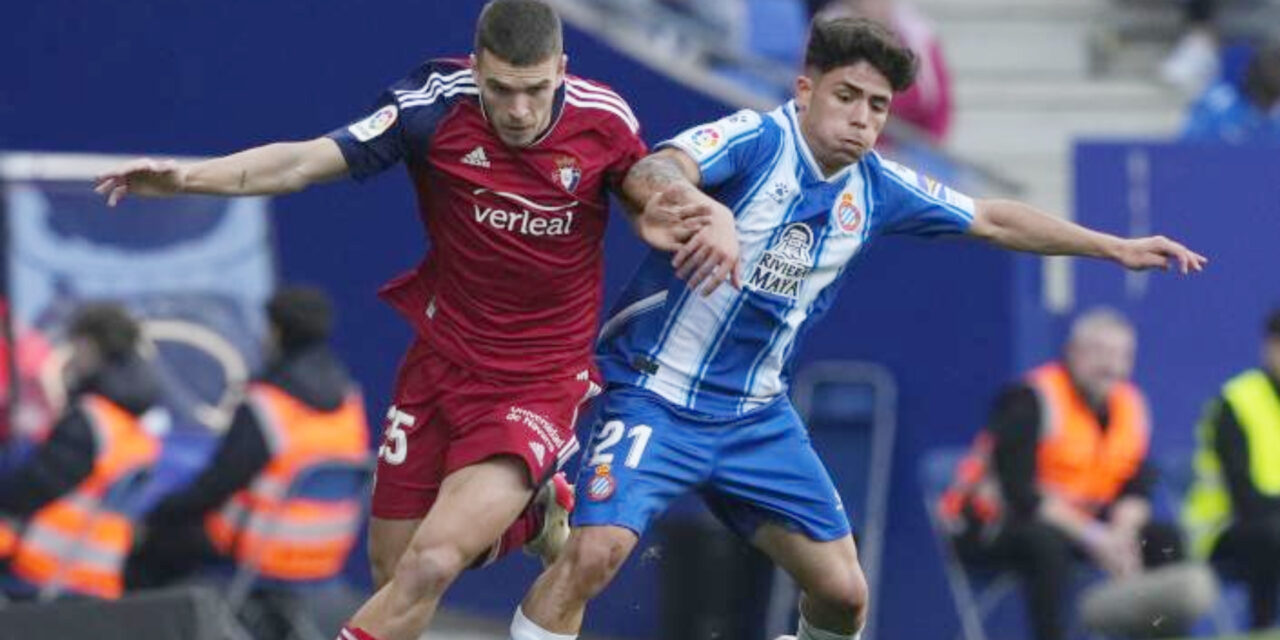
pixel 512 160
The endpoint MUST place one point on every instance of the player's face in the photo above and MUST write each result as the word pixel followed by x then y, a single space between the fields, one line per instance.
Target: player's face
pixel 1100 359
pixel 842 113
pixel 518 100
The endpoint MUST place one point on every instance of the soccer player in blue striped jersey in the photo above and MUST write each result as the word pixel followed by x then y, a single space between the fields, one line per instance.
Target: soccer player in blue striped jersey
pixel 698 378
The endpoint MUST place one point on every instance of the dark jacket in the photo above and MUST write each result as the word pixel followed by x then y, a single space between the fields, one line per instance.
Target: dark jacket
pixel 1015 428
pixel 1248 504
pixel 312 375
pixel 66 459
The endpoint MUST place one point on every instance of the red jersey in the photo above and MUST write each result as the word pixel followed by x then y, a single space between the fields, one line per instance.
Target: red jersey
pixel 512 283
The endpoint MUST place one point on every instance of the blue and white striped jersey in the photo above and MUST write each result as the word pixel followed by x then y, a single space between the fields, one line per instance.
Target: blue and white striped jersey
pixel 729 353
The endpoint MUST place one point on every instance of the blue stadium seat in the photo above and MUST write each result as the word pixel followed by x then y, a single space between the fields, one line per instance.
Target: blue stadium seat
pixel 850 409
pixel 334 482
pixel 975 592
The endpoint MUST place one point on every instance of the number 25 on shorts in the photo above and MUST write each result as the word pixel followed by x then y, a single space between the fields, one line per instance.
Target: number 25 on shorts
pixel 395 442
pixel 611 434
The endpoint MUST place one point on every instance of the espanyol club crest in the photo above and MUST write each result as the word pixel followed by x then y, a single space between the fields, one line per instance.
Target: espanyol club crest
pixel 600 487
pixel 847 214
pixel 567 172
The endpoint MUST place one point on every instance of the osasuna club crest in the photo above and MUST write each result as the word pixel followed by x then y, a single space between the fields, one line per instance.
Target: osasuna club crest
pixel 567 172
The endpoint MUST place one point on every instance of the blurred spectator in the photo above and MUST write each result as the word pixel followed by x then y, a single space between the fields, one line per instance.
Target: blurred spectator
pixel 26 414
pixel 1233 509
pixel 1249 114
pixel 1061 471
pixel 105 434
pixel 302 410
pixel 927 104
pixel 1194 61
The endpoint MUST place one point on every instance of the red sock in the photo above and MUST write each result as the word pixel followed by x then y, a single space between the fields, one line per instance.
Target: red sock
pixel 525 528
pixel 349 632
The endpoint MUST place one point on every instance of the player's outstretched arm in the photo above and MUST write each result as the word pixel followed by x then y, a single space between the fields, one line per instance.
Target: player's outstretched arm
pixel 670 213
pixel 282 167
pixel 1018 226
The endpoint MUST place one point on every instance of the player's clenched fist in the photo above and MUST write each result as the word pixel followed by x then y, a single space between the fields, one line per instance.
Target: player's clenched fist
pixel 143 177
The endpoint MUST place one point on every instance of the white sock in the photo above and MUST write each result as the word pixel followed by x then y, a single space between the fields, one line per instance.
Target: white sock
pixel 810 632
pixel 523 628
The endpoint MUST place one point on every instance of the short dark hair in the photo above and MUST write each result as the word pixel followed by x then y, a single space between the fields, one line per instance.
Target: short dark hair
pixel 109 327
pixel 1272 327
pixel 520 32
pixel 839 42
pixel 1262 76
pixel 302 316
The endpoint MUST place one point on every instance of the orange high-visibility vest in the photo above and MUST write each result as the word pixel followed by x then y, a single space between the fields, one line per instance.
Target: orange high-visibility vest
pixel 297 539
pixel 73 541
pixel 1077 458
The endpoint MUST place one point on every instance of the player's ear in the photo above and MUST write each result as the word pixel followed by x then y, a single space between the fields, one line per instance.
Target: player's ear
pixel 804 91
pixel 564 65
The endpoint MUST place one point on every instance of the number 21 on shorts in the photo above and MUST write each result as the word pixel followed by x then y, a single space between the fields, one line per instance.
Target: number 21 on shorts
pixel 611 433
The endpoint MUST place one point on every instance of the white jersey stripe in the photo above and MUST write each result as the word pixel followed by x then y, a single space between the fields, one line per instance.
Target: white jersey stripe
pixel 436 79
pixel 586 90
pixel 436 91
pixel 633 127
pixel 622 111
pixel 422 103
pixel 685 349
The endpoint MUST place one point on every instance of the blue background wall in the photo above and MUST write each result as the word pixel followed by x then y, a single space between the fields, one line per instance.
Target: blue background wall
pixel 185 77
pixel 1193 333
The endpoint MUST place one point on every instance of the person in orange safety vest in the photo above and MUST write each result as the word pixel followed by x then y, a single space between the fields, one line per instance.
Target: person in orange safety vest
pixel 1061 471
pixel 59 531
pixel 302 410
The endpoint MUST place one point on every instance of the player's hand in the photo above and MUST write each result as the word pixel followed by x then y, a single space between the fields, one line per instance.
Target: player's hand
pixel 143 177
pixel 712 255
pixel 671 218
pixel 1158 252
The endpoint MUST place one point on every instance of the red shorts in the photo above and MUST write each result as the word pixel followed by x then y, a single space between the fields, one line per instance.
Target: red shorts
pixel 444 418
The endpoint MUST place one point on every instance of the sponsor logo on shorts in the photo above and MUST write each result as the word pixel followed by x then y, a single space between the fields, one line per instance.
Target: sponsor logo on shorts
pixel 541 427
pixel 375 125
pixel 602 485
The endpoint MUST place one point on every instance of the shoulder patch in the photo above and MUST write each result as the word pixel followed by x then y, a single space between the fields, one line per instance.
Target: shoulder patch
pixel 376 124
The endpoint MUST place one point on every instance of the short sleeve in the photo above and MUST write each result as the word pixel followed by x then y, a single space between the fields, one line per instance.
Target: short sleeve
pixel 629 148
pixel 725 147
pixel 403 119
pixel 915 204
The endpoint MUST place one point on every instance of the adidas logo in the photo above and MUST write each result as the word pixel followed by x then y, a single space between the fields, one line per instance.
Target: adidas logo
pixel 476 158
pixel 539 451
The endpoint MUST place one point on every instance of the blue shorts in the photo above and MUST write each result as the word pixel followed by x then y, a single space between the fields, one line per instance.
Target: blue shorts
pixel 645 452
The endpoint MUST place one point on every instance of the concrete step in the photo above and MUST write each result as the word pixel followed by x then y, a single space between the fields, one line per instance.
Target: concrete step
pixel 1048 94
pixel 1017 48
pixel 942 11
pixel 979 133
